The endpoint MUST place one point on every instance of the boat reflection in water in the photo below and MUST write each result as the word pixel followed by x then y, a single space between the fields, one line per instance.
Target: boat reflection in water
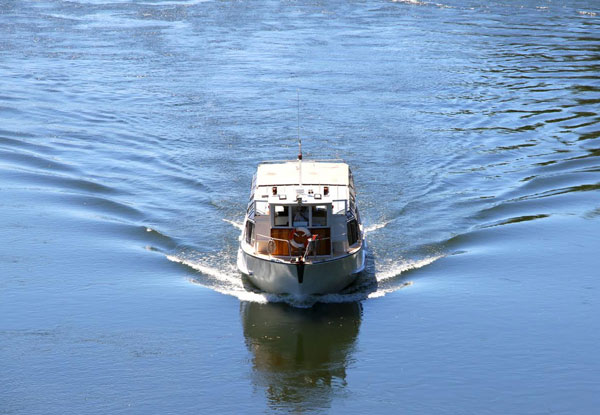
pixel 300 355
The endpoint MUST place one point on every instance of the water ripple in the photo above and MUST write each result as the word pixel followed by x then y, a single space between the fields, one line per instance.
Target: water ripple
pixel 456 116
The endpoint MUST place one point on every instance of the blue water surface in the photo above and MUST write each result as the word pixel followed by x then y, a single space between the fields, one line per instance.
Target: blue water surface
pixel 129 134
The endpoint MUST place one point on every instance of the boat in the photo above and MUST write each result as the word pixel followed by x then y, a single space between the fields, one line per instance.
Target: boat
pixel 302 232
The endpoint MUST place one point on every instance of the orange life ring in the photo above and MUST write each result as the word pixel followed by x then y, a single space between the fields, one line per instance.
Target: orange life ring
pixel 299 237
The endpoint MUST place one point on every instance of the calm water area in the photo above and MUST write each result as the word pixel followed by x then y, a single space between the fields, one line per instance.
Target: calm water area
pixel 129 134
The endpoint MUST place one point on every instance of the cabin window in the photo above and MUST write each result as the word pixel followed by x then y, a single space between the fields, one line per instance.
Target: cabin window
pixel 282 215
pixel 352 232
pixel 249 232
pixel 319 215
pixel 339 207
pixel 300 215
pixel 262 207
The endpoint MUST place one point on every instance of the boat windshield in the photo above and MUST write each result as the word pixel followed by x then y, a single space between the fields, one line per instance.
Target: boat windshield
pixel 286 216
pixel 300 215
pixel 319 215
pixel 282 215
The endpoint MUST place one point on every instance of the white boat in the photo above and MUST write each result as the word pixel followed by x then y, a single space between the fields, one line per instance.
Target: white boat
pixel 302 232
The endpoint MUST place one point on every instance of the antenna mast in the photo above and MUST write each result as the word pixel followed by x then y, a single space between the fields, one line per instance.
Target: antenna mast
pixel 299 139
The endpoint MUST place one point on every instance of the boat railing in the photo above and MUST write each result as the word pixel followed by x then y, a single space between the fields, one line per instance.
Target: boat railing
pixel 311 251
pixel 258 208
pixel 305 160
pixel 268 239
pixel 261 207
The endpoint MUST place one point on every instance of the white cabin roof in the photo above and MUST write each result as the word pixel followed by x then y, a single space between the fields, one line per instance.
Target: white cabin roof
pixel 287 173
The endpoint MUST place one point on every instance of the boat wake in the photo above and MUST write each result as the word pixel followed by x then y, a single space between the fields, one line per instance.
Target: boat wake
pixel 422 3
pixel 376 281
pixel 394 269
pixel 376 226
pixel 236 225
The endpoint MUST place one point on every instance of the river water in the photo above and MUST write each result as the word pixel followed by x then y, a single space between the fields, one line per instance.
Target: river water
pixel 129 133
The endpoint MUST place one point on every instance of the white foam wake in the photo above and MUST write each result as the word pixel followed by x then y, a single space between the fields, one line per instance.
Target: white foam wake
pixel 376 226
pixel 421 3
pixel 394 269
pixel 236 225
pixel 225 280
pixel 223 277
pixel 417 2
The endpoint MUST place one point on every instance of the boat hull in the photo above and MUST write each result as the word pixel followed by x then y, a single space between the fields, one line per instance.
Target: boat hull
pixel 317 278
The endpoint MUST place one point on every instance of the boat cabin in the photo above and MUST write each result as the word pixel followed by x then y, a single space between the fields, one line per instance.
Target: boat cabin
pixel 301 208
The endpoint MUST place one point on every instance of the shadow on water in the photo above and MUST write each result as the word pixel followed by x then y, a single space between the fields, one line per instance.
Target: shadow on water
pixel 300 355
